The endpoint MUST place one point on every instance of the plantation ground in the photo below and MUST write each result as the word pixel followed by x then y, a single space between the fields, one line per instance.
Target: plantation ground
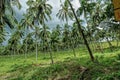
pixel 65 67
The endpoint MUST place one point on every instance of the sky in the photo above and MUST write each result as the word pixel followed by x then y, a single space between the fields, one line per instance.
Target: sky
pixel 56 6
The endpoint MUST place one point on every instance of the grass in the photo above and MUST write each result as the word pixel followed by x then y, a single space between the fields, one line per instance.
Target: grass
pixel 65 67
pixel 6 62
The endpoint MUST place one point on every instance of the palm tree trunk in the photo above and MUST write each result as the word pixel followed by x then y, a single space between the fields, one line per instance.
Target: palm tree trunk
pixel 74 51
pixel 26 50
pixel 51 56
pixel 26 45
pixel 73 48
pixel 36 50
pixel 81 32
pixel 14 51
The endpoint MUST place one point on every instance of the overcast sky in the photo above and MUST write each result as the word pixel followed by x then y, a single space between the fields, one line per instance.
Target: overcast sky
pixel 56 6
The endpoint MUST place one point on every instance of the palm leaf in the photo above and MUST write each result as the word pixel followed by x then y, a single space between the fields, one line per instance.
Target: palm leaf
pixel 8 22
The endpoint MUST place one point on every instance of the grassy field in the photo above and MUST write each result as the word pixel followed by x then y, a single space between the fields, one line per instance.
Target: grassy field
pixel 65 67
pixel 6 62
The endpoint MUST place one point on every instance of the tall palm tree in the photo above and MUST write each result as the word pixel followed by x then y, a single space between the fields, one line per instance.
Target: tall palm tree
pixel 54 40
pixel 45 37
pixel 36 34
pixel 26 25
pixel 86 9
pixel 65 13
pixel 41 10
pixel 81 31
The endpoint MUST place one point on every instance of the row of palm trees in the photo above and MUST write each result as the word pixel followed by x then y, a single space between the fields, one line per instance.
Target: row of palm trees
pixel 32 33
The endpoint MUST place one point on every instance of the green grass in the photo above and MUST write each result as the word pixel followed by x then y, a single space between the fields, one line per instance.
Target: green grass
pixel 6 62
pixel 65 67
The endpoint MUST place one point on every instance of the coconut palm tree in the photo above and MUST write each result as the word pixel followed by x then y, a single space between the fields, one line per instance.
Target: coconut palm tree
pixel 55 38
pixel 36 34
pixel 45 37
pixel 41 10
pixel 26 25
pixel 65 13
pixel 81 31
pixel 15 40
pixel 66 36
pixel 87 9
